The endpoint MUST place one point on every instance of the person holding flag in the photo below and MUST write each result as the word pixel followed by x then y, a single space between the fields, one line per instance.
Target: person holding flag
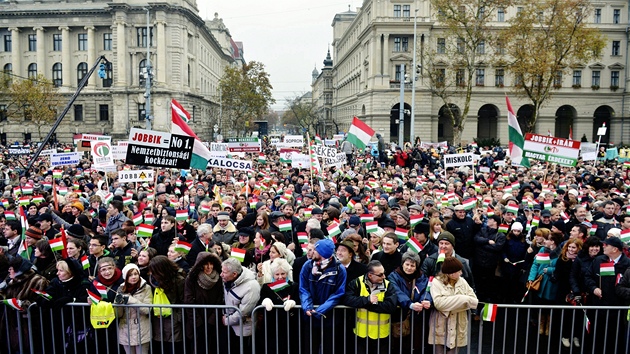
pixel 21 284
pixel 413 292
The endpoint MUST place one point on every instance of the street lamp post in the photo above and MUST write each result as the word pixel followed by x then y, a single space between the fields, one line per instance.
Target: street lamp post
pixel 147 92
pixel 413 82
pixel 401 109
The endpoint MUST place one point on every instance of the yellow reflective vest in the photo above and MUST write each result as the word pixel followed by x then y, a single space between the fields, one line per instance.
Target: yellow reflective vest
pixel 372 324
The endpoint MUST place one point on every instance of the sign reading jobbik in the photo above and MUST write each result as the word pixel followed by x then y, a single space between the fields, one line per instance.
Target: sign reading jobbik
pixel 564 152
pixel 159 149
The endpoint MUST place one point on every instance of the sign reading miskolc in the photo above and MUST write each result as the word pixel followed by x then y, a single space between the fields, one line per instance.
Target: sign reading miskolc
pixel 562 151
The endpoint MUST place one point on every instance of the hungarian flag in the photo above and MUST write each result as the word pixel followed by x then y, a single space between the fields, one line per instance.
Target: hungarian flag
pixel 285 225
pixel 535 220
pixel 238 254
pixel 279 285
pixel 13 302
pixel 144 230
pixel 429 284
pixel 415 219
pixel 308 212
pixel 543 258
pixel 108 198
pixel 607 269
pixel 181 215
pixel 182 246
pixel 359 133
pixel 625 235
pixel 504 228
pixel 137 219
pixel 333 229
pixel 441 257
pixel 57 174
pixel 204 209
pixel 262 159
pixel 93 297
pixel 489 312
pixel 402 233
pixel 180 117
pixel 371 226
pixel 28 189
pixel 284 199
pixel 469 203
pixel 515 137
pixel 511 208
pixel 414 245
pixel 102 289
pixel 85 262
pixel 38 199
pixel 42 293
pixel 302 237
pixel 56 244
pixel 592 231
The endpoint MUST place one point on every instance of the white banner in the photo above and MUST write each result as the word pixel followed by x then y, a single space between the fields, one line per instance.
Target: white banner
pixel 136 176
pixel 294 140
pixel 274 141
pixel 442 144
pixel 588 151
pixel 330 142
pixel 300 160
pixel 230 164
pixel 337 161
pixel 324 151
pixel 102 153
pixel 65 158
pixel 338 137
pixel 456 160
pixel 48 152
pixel 119 152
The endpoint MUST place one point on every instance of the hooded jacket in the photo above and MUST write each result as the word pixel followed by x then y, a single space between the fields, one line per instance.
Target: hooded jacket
pixel 243 294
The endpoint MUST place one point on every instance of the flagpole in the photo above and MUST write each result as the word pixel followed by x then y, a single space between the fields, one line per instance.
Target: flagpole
pixel 308 141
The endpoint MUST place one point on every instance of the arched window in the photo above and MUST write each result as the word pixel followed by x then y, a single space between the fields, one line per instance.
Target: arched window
pixel 82 70
pixel 8 70
pixel 57 75
pixel 32 71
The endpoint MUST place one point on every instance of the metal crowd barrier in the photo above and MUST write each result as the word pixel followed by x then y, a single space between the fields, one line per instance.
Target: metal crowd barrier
pixel 516 329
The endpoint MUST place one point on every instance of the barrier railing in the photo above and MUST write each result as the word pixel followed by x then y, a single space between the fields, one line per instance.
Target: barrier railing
pixel 200 329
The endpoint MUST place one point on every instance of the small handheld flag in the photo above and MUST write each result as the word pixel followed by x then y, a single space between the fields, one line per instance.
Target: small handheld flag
pixel 489 312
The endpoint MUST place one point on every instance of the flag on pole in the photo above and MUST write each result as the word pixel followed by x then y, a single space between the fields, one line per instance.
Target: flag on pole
pixel 24 250
pixel 302 237
pixel 102 289
pixel 402 234
pixel 13 302
pixel 181 215
pixel 429 284
pixel 441 257
pixel 607 269
pixel 415 219
pixel 42 293
pixel 285 225
pixel 414 245
pixel 367 217
pixel 359 133
pixel 516 140
pixel 279 285
pixel 489 312
pixel 137 219
pixel 179 125
pixel 56 244
pixel 371 226
pixel 333 229
pixel 85 262
pixel 144 230
pixel 93 297
pixel 543 258
pixel 182 246
pixel 238 254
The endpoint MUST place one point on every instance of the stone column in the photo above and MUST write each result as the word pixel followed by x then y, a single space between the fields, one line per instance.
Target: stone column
pixel 41 51
pixel 91 55
pixel 161 52
pixel 66 62
pixel 121 55
pixel 16 51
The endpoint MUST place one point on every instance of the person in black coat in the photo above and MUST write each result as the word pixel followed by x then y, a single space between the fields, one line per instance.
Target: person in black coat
pixel 420 232
pixel 591 248
pixel 488 250
pixel 165 237
pixel 513 263
pixel 463 229
pixel 389 257
pixel 345 255
pixel 202 243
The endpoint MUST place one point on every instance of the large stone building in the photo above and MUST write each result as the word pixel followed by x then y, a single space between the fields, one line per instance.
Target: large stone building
pixel 64 39
pixel 371 43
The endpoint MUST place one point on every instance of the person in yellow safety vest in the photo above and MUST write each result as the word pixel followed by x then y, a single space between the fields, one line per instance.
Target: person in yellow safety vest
pixel 375 299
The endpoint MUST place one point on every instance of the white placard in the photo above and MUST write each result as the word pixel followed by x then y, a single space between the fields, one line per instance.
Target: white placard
pixel 330 142
pixel 119 152
pixel 230 164
pixel 588 151
pixel 455 160
pixel 102 153
pixel 294 140
pixel 601 131
pixel 65 158
pixel 323 151
pixel 136 176
pixel 338 137
pixel 48 152
pixel 274 141
pixel 300 160
pixel 338 161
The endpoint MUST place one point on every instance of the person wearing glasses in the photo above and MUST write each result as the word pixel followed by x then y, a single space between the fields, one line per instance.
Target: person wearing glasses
pixel 375 299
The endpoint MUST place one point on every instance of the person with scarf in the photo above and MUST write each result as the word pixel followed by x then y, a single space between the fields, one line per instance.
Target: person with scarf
pixel 413 297
pixel 323 283
pixel 203 287
pixel 111 277
pixel 561 275
pixel 262 245
pixel 245 242
pixel 279 291
pixel 166 278
pixel 134 324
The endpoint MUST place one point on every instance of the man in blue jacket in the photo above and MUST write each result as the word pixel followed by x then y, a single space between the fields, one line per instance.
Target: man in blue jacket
pixel 323 283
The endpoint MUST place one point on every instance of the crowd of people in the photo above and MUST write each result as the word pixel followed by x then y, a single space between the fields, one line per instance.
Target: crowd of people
pixel 390 234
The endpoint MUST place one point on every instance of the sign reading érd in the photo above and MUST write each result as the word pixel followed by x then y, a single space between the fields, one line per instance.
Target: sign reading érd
pixel 159 149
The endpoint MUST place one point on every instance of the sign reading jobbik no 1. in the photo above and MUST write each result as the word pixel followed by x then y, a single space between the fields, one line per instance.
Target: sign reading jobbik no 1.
pixel 159 149
pixel 562 151
pixel 243 144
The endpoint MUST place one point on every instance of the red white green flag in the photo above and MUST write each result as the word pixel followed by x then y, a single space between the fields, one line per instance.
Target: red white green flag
pixel 182 246
pixel 14 303
pixel 543 258
pixel 414 245
pixel 402 234
pixel 279 285
pixel 607 269
pixel 56 244
pixel 489 312
pixel 93 297
pixel 238 254
pixel 371 226
pixel 137 219
pixel 181 215
pixel 179 118
pixel 415 219
pixel 144 230
pixel 504 228
pixel 359 133
pixel 333 229
pixel 85 262
pixel 515 137
pixel 367 217
pixel 285 225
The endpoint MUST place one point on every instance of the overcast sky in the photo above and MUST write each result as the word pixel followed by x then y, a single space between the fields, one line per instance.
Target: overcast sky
pixel 290 37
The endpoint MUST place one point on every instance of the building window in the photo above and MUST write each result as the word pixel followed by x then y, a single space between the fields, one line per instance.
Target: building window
pixel 7 43
pixel 614 78
pixel 7 70
pixel 616 16
pixel 107 81
pixel 82 70
pixel 57 42
pixel 595 76
pixel 500 14
pixel 3 112
pixel 32 71
pixel 440 76
pixel 83 44
pixel 460 78
pixel 78 112
pixel 32 42
pixel 460 45
pixel 142 68
pixel 28 113
pixel 57 75
pixel 406 11
pixel 481 47
pixel 405 44
pixel 577 78
pixel 519 10
pixel 480 77
pixel 557 79
pixel 401 44
pixel 482 13
pixel 396 10
pixel 500 47
pixel 441 45
pixel 103 112
pixel 397 74
pixel 615 47
pixel 142 36
pixel 142 112
pixel 518 80
pixel 597 16
pixel 107 41
pixel 499 77
pixel 396 44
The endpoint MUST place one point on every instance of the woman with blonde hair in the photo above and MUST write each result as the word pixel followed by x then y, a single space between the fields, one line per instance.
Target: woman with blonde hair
pixel 452 298
pixel 435 228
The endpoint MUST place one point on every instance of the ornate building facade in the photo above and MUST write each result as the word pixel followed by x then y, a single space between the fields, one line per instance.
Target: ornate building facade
pixel 371 43
pixel 63 39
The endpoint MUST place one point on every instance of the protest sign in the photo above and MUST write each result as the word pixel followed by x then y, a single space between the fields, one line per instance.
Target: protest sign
pixel 551 149
pixel 456 160
pixel 65 158
pixel 294 140
pixel 102 153
pixel 230 164
pixel 136 176
pixel 243 144
pixel 159 149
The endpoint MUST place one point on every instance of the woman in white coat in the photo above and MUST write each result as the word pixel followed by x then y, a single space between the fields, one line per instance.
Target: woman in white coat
pixel 134 325
pixel 452 298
